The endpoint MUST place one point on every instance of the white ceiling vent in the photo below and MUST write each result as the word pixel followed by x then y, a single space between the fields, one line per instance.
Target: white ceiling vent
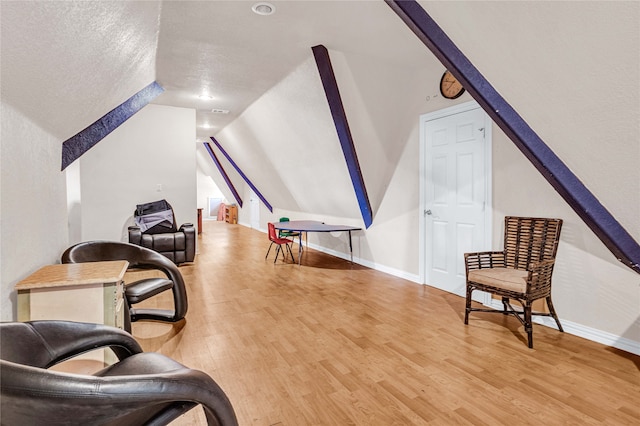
pixel 220 111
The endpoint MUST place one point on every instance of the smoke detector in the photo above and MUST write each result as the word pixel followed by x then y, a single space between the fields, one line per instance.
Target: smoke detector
pixel 263 8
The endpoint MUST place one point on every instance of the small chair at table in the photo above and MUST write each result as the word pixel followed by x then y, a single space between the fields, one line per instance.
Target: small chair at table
pixel 273 237
pixel 282 233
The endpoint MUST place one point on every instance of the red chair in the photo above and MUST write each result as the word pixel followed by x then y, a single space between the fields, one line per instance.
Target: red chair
pixel 273 237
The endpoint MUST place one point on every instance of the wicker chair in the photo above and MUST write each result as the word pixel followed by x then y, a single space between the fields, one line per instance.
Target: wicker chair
pixel 522 271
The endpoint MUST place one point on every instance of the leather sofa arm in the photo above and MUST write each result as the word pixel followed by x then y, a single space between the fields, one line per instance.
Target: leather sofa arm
pixel 135 235
pixel 190 241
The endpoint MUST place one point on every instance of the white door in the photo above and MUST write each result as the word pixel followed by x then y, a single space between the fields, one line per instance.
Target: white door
pixel 255 210
pixel 456 193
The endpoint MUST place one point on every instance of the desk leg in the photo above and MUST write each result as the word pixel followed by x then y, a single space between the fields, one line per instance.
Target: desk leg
pixel 350 247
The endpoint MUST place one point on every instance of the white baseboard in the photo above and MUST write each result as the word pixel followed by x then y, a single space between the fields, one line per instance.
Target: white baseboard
pixel 583 331
pixel 387 270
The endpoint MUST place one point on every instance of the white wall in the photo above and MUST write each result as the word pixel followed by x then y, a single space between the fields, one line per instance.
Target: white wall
pixel 149 157
pixel 206 189
pixel 33 225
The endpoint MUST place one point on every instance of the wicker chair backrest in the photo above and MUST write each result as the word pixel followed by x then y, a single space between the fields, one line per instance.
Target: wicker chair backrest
pixel 530 239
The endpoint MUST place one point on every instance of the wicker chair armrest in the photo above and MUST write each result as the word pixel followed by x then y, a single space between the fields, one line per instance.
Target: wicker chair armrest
pixel 539 279
pixel 538 267
pixel 484 259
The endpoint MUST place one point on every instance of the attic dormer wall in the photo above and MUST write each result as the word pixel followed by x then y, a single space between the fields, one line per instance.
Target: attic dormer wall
pixel 33 228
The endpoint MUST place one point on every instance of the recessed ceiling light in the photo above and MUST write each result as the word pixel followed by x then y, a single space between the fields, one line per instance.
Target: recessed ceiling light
pixel 263 8
pixel 220 111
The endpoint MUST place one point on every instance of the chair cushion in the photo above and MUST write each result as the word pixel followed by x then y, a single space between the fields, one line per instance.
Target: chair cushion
pixel 141 290
pixel 164 242
pixel 504 278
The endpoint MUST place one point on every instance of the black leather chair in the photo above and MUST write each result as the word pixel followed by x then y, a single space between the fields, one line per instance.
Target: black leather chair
pixel 141 388
pixel 178 245
pixel 138 291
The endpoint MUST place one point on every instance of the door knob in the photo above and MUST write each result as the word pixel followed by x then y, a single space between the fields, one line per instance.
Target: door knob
pixel 428 212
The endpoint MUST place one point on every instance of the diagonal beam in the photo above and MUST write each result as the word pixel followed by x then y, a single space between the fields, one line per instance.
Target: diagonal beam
pixel 342 127
pixel 224 174
pixel 246 179
pixel 77 145
pixel 574 192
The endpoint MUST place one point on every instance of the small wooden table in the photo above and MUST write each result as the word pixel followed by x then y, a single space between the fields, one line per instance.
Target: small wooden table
pixel 85 292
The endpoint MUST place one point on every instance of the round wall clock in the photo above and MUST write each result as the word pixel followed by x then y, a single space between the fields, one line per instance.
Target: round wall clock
pixel 450 87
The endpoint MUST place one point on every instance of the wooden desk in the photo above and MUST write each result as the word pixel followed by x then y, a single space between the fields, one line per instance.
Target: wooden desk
pixel 85 292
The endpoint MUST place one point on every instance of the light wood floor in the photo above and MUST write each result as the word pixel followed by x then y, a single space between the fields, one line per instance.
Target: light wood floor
pixel 330 343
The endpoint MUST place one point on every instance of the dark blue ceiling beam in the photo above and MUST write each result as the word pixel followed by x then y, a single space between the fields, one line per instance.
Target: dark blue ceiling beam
pixel 574 192
pixel 232 188
pixel 77 145
pixel 246 179
pixel 342 127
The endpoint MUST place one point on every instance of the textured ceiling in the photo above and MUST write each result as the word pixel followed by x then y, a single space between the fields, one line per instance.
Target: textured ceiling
pixel 65 64
pixel 224 49
pixel 88 57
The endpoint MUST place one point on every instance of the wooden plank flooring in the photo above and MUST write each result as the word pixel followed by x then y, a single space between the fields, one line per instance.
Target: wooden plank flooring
pixel 331 343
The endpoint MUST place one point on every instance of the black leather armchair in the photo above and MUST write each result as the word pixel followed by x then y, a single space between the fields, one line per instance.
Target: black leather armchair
pixel 138 291
pixel 159 232
pixel 141 388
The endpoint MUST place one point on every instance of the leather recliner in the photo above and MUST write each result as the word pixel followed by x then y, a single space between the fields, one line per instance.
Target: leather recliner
pixel 179 246
pixel 141 388
pixel 156 230
pixel 138 291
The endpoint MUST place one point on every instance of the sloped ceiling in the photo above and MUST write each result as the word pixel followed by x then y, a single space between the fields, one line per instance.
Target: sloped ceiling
pixel 85 58
pixel 66 64
pixel 225 50
pixel 279 129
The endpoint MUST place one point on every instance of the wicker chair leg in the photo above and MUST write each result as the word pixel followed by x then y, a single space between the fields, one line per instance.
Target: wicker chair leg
pixel 528 326
pixel 552 311
pixel 505 305
pixel 468 305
